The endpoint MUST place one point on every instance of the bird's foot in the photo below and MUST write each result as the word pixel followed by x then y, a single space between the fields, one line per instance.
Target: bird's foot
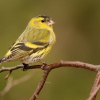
pixel 26 66
pixel 43 65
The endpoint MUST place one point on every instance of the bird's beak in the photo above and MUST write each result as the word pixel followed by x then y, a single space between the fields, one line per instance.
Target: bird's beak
pixel 51 22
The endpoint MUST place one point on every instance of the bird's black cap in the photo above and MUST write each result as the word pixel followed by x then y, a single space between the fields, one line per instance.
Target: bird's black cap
pixel 44 16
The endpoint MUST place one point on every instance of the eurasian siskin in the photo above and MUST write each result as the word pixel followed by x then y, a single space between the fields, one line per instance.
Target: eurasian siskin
pixel 34 43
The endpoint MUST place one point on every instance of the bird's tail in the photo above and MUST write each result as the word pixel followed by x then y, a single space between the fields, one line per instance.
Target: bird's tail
pixel 2 60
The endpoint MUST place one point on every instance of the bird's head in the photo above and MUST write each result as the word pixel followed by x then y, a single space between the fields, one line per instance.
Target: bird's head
pixel 41 21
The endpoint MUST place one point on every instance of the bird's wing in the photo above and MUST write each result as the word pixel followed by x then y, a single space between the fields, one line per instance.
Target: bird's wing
pixel 36 39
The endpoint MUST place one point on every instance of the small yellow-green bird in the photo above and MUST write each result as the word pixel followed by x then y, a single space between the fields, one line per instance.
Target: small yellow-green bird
pixel 34 43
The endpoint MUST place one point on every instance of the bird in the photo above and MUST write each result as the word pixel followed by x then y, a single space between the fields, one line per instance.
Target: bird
pixel 34 43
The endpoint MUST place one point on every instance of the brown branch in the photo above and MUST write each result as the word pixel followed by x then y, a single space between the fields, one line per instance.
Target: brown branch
pixel 95 88
pixel 40 85
pixel 11 69
pixel 49 67
pixel 75 64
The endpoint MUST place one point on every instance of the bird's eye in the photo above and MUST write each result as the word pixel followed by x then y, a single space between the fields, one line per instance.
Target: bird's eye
pixel 42 21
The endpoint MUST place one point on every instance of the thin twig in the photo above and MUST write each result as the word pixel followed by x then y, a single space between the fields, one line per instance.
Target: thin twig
pixel 95 87
pixel 11 83
pixel 93 96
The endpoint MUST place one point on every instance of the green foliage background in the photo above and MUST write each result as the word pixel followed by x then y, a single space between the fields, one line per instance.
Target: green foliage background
pixel 77 27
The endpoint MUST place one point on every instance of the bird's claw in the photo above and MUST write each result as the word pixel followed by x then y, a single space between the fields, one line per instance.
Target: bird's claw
pixel 43 65
pixel 26 66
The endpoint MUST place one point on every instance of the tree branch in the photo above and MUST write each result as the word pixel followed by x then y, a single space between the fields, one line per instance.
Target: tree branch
pixel 49 67
pixel 40 85
pixel 95 88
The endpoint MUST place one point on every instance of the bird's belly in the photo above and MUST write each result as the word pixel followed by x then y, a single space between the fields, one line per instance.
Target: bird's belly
pixel 35 57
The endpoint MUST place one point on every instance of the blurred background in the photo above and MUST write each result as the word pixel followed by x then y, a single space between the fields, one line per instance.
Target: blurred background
pixel 77 28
